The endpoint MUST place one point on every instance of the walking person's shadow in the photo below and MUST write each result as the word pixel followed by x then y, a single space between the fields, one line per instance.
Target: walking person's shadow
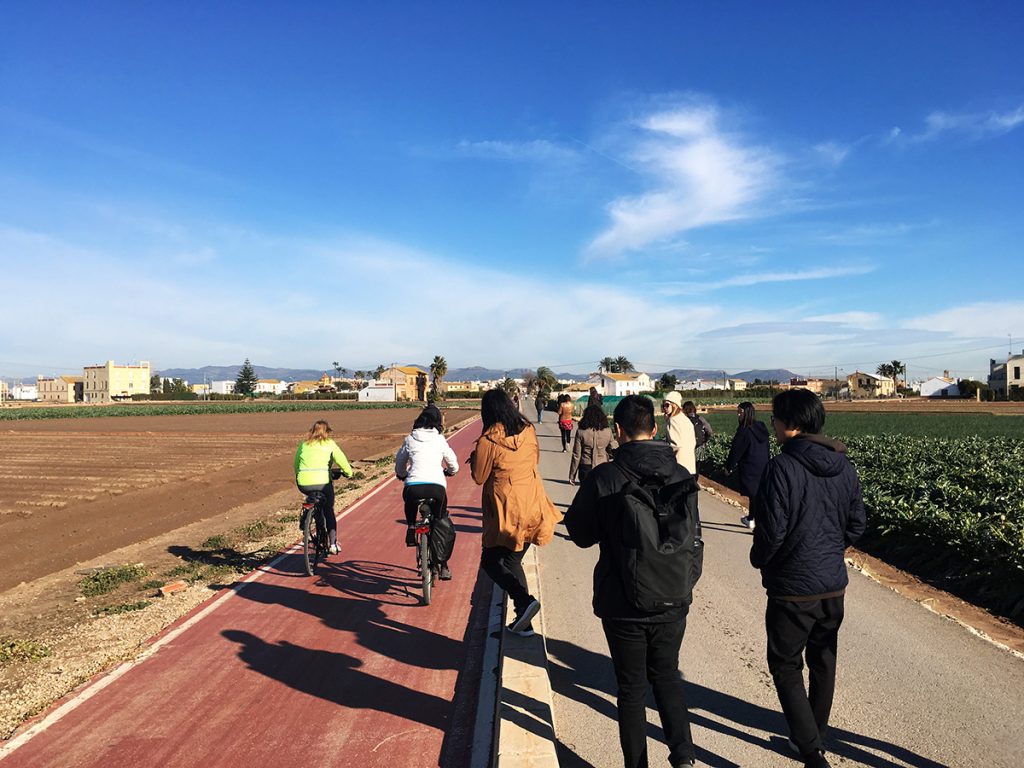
pixel 574 670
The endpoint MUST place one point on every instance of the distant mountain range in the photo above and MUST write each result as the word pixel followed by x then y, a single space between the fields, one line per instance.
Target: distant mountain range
pixel 474 373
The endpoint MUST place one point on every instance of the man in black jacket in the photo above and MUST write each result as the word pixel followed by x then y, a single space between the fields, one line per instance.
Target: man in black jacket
pixel 644 646
pixel 809 510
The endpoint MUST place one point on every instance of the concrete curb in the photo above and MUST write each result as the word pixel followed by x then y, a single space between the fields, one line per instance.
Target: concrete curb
pixel 526 727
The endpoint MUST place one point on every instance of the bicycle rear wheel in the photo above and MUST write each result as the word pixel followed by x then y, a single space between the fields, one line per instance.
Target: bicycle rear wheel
pixel 310 542
pixel 426 575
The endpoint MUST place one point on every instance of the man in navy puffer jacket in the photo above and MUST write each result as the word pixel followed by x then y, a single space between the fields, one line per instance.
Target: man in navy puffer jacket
pixel 809 510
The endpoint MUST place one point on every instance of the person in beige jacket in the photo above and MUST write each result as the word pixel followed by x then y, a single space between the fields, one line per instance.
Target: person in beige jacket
pixel 516 510
pixel 680 432
pixel 593 443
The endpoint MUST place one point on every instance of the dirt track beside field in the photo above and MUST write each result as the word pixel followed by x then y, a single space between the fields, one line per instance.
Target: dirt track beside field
pixel 74 489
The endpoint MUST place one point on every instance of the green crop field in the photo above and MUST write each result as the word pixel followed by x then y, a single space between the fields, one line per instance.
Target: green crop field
pixel 950 486
pixel 191 409
pixel 946 425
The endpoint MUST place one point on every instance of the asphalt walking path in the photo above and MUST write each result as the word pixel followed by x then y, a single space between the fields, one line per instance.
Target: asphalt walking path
pixel 344 668
pixel 913 689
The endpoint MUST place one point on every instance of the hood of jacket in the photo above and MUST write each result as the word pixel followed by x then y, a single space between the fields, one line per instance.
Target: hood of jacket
pixel 496 434
pixel 820 455
pixel 424 435
pixel 759 432
pixel 649 459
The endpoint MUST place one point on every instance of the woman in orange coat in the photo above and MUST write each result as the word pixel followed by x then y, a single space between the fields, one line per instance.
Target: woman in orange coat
pixel 516 510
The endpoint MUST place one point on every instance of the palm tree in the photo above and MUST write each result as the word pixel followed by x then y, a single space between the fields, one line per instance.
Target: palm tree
pixel 546 379
pixel 622 365
pixel 607 365
pixel 898 369
pixel 885 370
pixel 509 385
pixel 529 382
pixel 438 369
pixel 338 369
pixel 378 372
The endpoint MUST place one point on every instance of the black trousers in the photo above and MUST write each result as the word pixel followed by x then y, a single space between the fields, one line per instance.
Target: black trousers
pixel 328 492
pixel 796 629
pixel 413 494
pixel 566 436
pixel 505 568
pixel 648 655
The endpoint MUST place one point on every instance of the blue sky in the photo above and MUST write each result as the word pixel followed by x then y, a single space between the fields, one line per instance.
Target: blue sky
pixel 721 185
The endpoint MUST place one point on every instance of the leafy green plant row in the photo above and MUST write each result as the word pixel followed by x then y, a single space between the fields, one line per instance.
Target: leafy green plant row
pixel 191 409
pixel 845 425
pixel 961 494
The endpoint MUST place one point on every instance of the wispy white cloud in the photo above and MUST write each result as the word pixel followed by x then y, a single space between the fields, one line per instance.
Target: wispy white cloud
pixel 971 125
pixel 991 319
pixel 832 152
pixel 854 319
pixel 700 174
pixel 537 150
pixel 757 278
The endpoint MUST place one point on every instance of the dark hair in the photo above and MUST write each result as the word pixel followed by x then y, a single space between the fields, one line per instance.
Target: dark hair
pixel 496 408
pixel 594 417
pixel 689 407
pixel 749 414
pixel 429 418
pixel 799 409
pixel 635 415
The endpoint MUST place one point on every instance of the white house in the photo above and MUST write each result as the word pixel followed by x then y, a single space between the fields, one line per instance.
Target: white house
pixel 621 384
pixel 25 392
pixel 378 392
pixel 269 386
pixel 222 387
pixel 940 386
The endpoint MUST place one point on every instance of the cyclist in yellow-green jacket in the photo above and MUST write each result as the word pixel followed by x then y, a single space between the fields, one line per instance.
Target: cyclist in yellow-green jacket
pixel 313 460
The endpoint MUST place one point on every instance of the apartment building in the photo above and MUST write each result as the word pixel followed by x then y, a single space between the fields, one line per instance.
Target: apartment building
pixel 108 382
pixel 410 382
pixel 60 389
pixel 1002 377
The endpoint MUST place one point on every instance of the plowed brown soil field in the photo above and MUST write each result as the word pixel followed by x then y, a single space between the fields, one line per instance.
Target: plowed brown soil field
pixel 74 489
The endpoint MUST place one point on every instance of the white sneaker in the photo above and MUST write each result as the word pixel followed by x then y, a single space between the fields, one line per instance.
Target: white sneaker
pixel 334 548
pixel 748 521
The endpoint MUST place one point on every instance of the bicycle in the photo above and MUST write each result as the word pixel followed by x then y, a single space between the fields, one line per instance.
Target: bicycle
pixel 314 531
pixel 424 559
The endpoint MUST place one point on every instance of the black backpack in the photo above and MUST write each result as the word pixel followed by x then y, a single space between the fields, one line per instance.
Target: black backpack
pixel 661 550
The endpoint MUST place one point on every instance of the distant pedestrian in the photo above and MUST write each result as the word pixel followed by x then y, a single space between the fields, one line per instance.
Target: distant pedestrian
pixel 593 443
pixel 539 402
pixel 595 398
pixel 809 510
pixel 565 423
pixel 679 432
pixel 701 430
pixel 641 510
pixel 748 456
pixel 516 510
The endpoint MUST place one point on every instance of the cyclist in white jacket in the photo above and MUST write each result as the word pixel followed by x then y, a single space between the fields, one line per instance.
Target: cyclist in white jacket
pixel 423 462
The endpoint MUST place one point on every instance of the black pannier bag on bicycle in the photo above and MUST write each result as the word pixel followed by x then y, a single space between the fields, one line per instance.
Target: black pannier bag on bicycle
pixel 661 554
pixel 442 539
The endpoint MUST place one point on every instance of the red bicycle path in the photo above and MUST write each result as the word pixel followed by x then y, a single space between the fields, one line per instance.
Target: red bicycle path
pixel 343 668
